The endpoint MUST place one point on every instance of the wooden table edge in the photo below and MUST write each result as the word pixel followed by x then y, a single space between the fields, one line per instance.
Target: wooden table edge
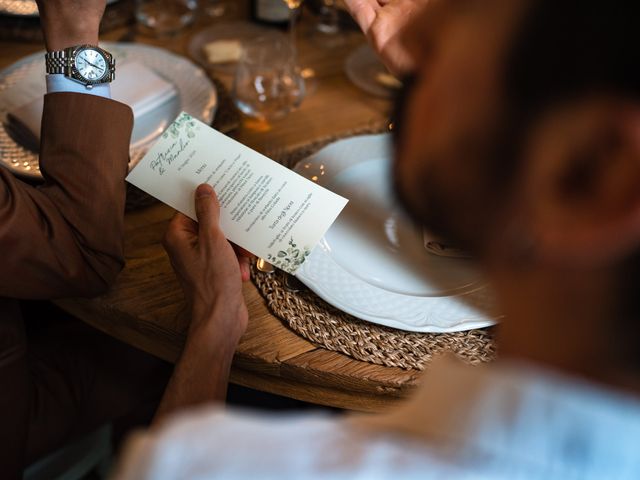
pixel 271 377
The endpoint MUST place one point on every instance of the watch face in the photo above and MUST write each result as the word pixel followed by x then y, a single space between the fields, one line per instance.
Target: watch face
pixel 91 64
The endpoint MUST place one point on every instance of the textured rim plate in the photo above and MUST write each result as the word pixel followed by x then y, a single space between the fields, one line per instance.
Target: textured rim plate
pixel 196 96
pixel 24 8
pixel 399 287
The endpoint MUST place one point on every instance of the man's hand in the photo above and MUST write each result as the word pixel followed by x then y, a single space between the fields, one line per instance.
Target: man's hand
pixel 381 21
pixel 211 274
pixel 66 23
pixel 209 269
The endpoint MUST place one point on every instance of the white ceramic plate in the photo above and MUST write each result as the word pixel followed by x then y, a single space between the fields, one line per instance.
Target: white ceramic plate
pixel 364 68
pixel 24 81
pixel 372 263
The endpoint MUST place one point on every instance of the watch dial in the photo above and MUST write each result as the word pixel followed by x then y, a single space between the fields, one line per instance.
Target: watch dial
pixel 91 64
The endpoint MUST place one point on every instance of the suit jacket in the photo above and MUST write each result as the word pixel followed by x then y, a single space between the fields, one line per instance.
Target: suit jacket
pixel 61 239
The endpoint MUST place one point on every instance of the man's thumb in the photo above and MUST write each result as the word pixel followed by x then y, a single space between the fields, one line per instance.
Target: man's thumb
pixel 207 208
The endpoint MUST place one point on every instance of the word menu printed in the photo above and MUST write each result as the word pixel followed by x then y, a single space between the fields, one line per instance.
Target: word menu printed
pixel 266 208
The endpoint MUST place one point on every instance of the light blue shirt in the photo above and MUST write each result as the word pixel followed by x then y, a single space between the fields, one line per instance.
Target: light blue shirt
pixel 60 83
pixel 505 421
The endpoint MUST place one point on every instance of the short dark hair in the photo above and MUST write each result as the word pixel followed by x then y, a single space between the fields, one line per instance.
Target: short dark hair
pixel 569 49
pixel 566 49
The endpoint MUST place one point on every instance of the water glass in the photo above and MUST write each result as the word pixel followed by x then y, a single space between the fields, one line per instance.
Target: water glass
pixel 165 17
pixel 267 83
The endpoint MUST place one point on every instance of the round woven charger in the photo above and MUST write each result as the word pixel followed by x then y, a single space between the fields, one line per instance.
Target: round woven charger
pixel 317 321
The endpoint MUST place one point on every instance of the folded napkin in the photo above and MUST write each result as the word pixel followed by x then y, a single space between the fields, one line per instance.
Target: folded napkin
pixel 136 85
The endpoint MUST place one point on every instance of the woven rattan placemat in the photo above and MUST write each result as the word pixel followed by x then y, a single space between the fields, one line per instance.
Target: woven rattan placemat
pixel 317 321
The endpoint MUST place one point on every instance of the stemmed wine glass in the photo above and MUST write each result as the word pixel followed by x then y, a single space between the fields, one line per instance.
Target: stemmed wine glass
pixel 307 73
pixel 329 22
pixel 294 10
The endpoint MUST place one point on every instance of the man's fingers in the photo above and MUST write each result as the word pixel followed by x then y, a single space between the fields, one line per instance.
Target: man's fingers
pixel 245 268
pixel 244 261
pixel 207 209
pixel 180 231
pixel 363 12
pixel 241 252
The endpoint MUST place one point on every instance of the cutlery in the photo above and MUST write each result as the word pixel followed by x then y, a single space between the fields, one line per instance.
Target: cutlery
pixel 293 284
pixel 264 266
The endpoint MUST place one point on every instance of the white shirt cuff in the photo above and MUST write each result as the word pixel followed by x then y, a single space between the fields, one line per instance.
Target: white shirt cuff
pixel 59 83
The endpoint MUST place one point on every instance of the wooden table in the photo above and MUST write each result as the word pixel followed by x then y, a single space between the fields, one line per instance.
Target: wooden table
pixel 146 308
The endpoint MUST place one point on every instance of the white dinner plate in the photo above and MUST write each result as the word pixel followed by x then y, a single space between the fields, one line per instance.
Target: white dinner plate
pixel 372 263
pixel 24 81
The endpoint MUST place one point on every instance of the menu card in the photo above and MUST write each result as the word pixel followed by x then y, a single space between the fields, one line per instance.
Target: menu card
pixel 266 208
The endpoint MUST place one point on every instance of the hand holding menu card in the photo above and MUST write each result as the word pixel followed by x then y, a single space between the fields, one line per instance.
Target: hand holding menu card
pixel 266 208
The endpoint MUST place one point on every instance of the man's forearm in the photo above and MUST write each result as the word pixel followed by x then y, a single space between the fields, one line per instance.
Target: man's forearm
pixel 202 373
pixel 67 23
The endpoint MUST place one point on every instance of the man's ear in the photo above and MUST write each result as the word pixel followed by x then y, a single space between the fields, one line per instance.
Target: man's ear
pixel 582 183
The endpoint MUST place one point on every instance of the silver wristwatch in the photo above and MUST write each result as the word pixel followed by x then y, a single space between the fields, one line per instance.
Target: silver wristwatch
pixel 86 64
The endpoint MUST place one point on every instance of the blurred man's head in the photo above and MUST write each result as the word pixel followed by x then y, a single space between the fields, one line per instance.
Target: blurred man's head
pixel 519 138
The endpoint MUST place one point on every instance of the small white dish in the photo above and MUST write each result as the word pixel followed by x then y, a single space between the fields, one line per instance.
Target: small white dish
pixel 372 263
pixel 240 32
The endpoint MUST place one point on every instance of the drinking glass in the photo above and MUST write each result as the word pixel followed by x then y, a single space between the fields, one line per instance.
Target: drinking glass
pixel 294 10
pixel 267 84
pixel 308 74
pixel 165 17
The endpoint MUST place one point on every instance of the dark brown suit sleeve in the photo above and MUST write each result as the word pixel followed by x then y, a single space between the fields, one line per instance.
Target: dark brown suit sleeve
pixel 65 237
pixel 61 239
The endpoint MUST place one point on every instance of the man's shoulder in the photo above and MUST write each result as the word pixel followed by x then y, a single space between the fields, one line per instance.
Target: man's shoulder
pixel 234 444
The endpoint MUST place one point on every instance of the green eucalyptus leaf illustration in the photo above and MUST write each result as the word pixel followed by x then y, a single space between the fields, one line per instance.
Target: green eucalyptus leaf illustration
pixel 184 122
pixel 291 258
